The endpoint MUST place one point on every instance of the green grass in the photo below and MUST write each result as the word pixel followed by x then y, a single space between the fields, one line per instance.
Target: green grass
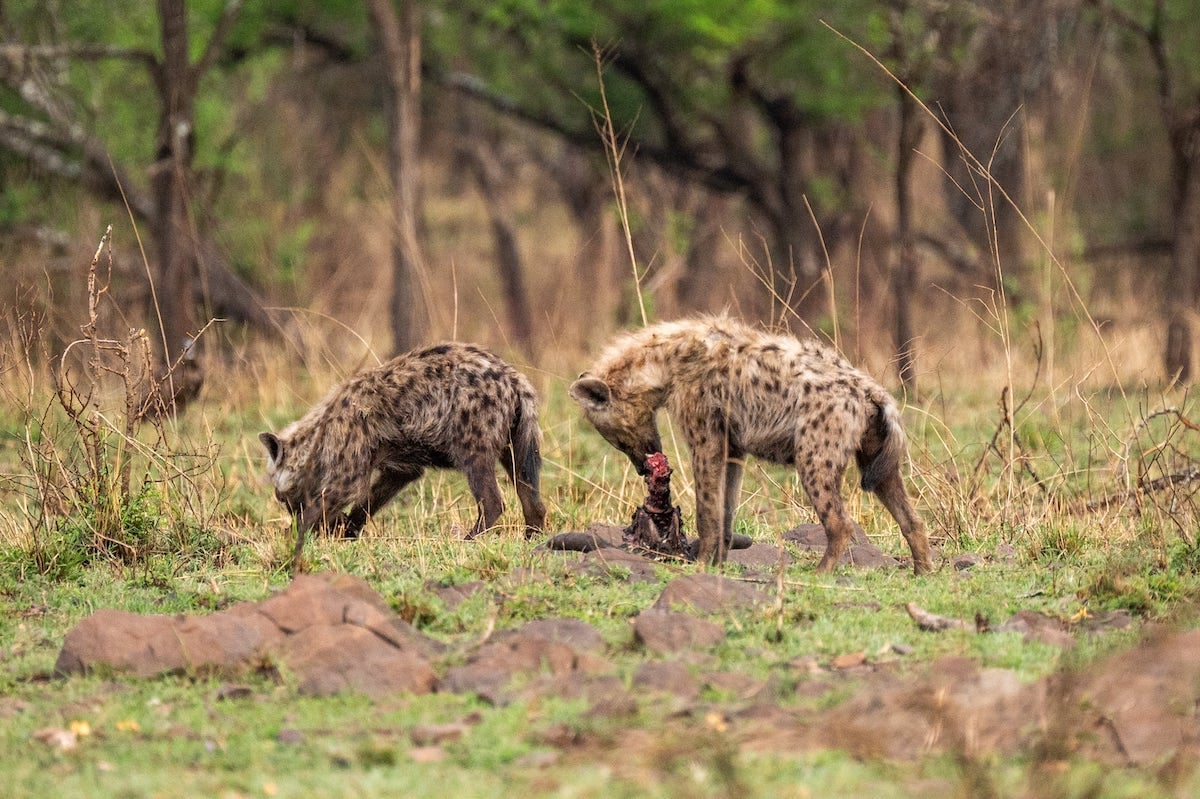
pixel 179 736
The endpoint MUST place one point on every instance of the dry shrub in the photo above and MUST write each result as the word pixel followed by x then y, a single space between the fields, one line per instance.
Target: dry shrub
pixel 104 475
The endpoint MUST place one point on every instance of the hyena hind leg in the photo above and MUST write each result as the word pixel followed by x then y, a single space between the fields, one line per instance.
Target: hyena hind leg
pixel 823 487
pixel 894 497
pixel 526 482
pixel 480 471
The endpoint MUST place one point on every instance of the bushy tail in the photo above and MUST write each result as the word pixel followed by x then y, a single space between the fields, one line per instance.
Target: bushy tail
pixel 883 445
pixel 526 440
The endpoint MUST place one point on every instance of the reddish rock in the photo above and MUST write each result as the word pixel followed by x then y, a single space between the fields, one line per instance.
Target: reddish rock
pixel 760 556
pixel 225 642
pixel 710 593
pixel 812 536
pixel 454 595
pixel 330 659
pixel 332 631
pixel 575 633
pixel 123 642
pixel 309 600
pixel 604 562
pixel 490 671
pixel 666 676
pixel 664 631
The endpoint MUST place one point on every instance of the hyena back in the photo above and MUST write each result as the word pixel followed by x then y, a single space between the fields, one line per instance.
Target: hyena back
pixel 448 406
pixel 736 391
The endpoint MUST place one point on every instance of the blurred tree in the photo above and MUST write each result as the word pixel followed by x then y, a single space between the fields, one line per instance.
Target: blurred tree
pixel 748 97
pixel 177 80
pixel 993 66
pixel 399 35
pixel 911 64
pixel 1169 32
pixel 481 152
pixel 46 124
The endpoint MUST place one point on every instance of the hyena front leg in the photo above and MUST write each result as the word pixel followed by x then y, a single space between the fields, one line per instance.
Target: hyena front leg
pixel 733 493
pixel 387 484
pixel 711 508
pixel 310 515
pixel 480 471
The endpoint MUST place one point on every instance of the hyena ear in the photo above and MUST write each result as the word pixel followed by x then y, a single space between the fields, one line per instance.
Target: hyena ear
pixel 273 444
pixel 591 392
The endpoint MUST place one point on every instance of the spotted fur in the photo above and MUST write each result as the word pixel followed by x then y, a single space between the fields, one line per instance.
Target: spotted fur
pixel 735 391
pixel 447 406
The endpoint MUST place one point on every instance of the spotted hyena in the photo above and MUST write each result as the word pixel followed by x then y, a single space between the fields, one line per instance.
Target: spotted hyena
pixel 452 406
pixel 736 391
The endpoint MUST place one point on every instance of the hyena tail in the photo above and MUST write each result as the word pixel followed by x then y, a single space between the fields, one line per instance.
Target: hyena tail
pixel 526 441
pixel 883 444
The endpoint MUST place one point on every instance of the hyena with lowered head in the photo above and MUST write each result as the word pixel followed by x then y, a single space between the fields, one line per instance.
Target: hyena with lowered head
pixel 451 406
pixel 736 391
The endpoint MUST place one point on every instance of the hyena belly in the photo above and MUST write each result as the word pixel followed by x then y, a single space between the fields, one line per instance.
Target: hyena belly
pixel 448 406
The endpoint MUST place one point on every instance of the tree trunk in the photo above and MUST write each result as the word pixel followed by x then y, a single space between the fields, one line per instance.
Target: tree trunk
pixel 486 170
pixel 598 267
pixel 1183 279
pixel 700 286
pixel 172 296
pixel 400 42
pixel 798 281
pixel 904 271
pixel 991 70
pixel 904 276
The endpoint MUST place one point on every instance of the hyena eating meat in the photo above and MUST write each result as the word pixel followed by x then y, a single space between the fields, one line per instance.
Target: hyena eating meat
pixel 736 391
pixel 451 406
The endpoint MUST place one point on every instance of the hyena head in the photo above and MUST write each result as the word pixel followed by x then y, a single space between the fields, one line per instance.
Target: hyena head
pixel 281 469
pixel 626 422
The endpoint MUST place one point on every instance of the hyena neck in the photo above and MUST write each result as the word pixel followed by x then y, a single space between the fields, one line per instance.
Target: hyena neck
pixel 642 369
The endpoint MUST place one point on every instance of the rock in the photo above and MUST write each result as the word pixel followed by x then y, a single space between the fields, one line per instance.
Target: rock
pixel 710 593
pixel 576 633
pixel 493 667
pixel 429 734
pixel 760 556
pixel 1039 627
pixel 663 631
pixel 604 562
pixel 308 600
pixel 966 560
pixel 1005 553
pixel 329 659
pixel 812 536
pixel 668 677
pixel 869 556
pixel 596 536
pixel 333 632
pixel 124 642
pixel 861 554
pixel 224 642
pixel 577 542
pixel 454 595
pixel 741 685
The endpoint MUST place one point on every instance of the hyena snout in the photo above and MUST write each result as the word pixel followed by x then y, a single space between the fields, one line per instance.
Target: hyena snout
pixel 637 453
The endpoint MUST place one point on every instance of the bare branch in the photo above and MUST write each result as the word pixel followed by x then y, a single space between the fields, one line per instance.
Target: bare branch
pixel 15 56
pixel 216 42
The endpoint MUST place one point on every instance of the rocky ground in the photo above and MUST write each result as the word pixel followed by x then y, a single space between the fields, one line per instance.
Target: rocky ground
pixel 332 632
